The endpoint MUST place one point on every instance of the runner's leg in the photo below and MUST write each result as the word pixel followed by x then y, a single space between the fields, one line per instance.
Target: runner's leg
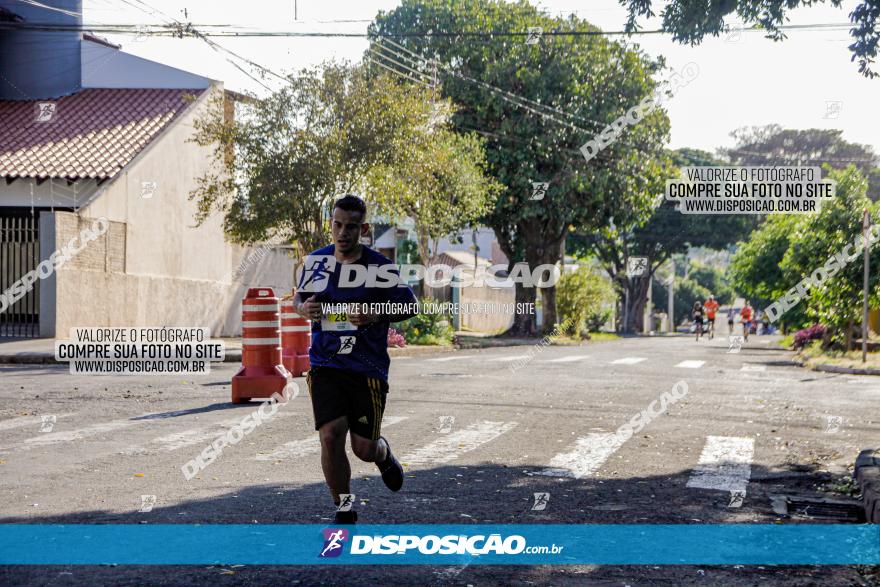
pixel 334 461
pixel 370 451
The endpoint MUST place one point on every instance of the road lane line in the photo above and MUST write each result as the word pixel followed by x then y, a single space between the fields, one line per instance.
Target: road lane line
pixel 451 446
pixel 306 446
pixel 570 359
pixel 510 358
pixel 588 454
pixel 51 438
pixel 453 358
pixel 627 361
pixel 725 464
pixel 35 421
pixel 750 367
pixel 691 364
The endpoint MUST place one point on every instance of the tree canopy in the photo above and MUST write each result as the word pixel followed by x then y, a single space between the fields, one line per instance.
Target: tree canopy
pixel 333 129
pixel 773 145
pixel 789 248
pixel 537 104
pixel 690 21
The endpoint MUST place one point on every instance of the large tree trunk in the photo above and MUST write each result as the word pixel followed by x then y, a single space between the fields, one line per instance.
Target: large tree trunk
pixel 633 297
pixel 548 299
pixel 524 323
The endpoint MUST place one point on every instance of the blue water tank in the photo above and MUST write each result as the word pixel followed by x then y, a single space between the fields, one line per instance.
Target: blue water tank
pixel 40 65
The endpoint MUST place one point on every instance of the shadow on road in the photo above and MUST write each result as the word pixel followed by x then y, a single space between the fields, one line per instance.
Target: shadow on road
pixel 477 494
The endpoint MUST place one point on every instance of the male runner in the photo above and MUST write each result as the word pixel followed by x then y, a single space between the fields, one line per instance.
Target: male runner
pixel 711 306
pixel 746 318
pixel 348 380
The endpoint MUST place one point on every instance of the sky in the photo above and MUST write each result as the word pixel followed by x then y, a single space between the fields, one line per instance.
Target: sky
pixel 806 81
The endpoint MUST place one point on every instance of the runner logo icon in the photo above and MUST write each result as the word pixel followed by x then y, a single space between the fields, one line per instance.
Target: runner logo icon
pixel 346 344
pixel 334 538
pixel 316 272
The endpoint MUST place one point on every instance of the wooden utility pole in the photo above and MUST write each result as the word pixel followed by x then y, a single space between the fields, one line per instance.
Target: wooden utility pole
pixel 866 223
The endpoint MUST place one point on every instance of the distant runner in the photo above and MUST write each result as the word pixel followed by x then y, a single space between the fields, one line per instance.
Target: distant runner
pixel 348 380
pixel 711 306
pixel 731 313
pixel 746 317
pixel 697 315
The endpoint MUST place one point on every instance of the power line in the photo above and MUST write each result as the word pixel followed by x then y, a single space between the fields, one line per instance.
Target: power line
pixel 802 159
pixel 430 34
pixel 52 8
pixel 399 64
pixel 398 73
pixel 151 10
pixel 503 94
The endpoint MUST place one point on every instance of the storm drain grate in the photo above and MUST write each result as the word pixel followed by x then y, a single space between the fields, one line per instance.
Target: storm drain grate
pixel 824 509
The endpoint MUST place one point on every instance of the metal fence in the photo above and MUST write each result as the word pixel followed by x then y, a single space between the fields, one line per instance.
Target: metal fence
pixel 19 253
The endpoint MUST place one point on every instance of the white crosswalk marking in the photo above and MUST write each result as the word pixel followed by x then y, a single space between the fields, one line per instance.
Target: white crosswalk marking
pixel 451 446
pixel 691 364
pixel 210 431
pixel 587 456
pixel 78 434
pixel 627 361
pixel 510 358
pixel 22 421
pixel 452 358
pixel 570 359
pixel 725 464
pixel 306 446
pixel 178 440
pixel 749 367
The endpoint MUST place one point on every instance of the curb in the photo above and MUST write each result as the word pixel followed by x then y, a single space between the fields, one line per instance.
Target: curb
pixel 231 356
pixel 867 477
pixel 412 351
pixel 49 359
pixel 845 370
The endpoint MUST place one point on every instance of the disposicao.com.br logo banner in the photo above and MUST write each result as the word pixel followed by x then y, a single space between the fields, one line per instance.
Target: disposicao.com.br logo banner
pixel 477 544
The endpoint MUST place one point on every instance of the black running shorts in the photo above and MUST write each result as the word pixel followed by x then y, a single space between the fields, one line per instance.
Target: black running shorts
pixel 336 393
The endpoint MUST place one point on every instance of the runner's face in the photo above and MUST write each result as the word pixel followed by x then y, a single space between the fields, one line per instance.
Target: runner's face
pixel 347 229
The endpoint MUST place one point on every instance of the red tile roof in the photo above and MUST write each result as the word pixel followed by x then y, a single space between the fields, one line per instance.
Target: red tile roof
pixel 94 133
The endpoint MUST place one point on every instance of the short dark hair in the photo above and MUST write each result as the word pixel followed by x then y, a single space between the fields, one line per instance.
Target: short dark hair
pixel 351 203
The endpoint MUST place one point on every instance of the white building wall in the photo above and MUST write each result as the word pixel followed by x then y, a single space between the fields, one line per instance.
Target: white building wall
pixel 175 273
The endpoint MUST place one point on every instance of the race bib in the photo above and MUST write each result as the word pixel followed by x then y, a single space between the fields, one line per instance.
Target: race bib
pixel 336 323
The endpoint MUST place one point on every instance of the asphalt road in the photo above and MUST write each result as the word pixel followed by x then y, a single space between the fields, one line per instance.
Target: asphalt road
pixel 478 439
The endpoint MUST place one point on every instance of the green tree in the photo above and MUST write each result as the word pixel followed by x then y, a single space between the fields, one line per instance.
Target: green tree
pixel 837 303
pixel 514 93
pixel 714 281
pixel 772 145
pixel 755 269
pixel 279 166
pixel 438 181
pixel 665 233
pixel 690 21
pixel 582 294
pixel 685 292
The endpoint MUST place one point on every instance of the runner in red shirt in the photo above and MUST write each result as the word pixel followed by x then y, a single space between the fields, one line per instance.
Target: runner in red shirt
pixel 746 317
pixel 711 306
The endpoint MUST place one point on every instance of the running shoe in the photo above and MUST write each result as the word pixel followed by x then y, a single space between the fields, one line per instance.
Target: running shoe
pixel 392 471
pixel 349 517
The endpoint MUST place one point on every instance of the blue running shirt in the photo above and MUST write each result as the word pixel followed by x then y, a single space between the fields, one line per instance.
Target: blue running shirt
pixel 337 343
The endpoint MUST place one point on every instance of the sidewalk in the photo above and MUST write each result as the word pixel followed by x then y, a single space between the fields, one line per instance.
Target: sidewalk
pixel 42 350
